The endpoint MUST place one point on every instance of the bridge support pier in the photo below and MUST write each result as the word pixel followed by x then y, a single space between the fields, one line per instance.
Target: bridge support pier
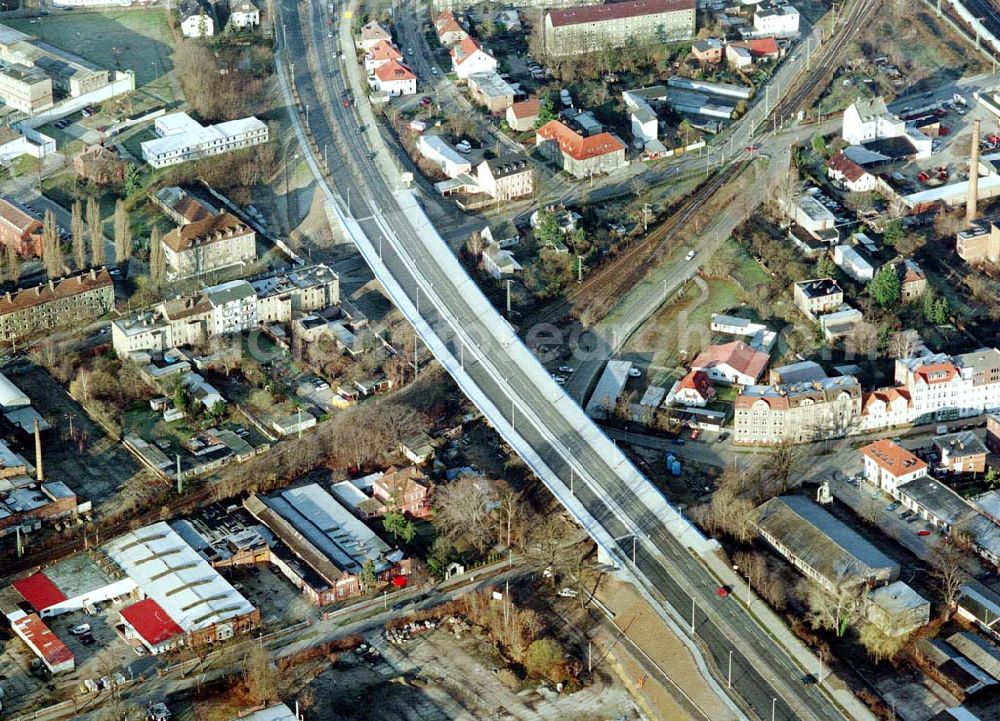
pixel 605 558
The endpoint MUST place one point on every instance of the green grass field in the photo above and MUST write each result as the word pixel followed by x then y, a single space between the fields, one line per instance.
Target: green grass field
pixel 137 40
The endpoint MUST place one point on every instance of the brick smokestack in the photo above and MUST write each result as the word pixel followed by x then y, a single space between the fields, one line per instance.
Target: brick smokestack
pixel 39 474
pixel 971 206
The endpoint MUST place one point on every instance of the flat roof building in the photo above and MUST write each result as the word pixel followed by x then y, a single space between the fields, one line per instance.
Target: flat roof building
pixel 182 138
pixel 586 29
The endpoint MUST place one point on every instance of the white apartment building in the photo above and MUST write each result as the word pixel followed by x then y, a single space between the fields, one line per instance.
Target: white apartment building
pixel 944 387
pixel 182 138
pixel 234 307
pixel 781 21
pixel 889 465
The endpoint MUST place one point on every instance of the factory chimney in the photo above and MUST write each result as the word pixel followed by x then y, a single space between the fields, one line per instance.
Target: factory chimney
pixel 39 474
pixel 971 209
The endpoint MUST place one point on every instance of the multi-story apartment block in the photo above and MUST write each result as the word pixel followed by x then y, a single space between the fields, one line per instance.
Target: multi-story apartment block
pixel 506 177
pixel 234 307
pixel 796 413
pixel 19 229
pixel 26 89
pixel 993 432
pixel 182 138
pixel 58 303
pixel 587 29
pixel 216 242
pixel 944 387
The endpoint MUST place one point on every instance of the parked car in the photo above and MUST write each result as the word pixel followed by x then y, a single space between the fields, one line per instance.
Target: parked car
pixel 634 372
pixel 80 629
pixel 923 532
pixel 690 255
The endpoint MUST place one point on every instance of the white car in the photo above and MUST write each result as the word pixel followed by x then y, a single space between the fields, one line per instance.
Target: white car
pixel 690 255
pixel 634 372
pixel 434 70
pixel 565 369
pixel 80 629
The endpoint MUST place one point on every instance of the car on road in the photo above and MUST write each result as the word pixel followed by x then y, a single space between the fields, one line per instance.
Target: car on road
pixel 409 51
pixel 695 433
pixel 565 369
pixel 690 255
pixel 923 532
pixel 434 70
pixel 678 441
pixel 722 591
pixel 634 372
pixel 400 605
pixel 347 103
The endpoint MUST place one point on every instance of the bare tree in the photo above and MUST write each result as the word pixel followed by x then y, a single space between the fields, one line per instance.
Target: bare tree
pixel 510 511
pixel 13 263
pixel 95 230
pixel 861 341
pixel 157 258
pixel 835 611
pixel 123 233
pixel 949 572
pixel 51 247
pixel 259 678
pixel 461 511
pixel 78 231
pixel 904 343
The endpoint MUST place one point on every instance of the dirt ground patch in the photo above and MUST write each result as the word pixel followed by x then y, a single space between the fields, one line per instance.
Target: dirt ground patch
pixel 647 631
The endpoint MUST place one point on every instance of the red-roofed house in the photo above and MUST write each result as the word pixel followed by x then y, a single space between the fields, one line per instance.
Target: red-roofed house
pixel 40 639
pixel 379 55
pixel 734 363
pixel 694 389
pixel 885 408
pixel 393 78
pixel 889 465
pixel 468 58
pixel 578 155
pixel 371 34
pixel 765 49
pixel 146 621
pixel 39 591
pixel 449 31
pixel 523 116
pixel 849 174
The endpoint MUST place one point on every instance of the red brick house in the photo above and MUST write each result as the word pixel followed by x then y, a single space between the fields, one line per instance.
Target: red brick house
pixel 19 229
pixel 407 489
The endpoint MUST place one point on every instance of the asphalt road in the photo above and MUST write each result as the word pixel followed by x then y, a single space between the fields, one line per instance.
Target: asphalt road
pixel 762 669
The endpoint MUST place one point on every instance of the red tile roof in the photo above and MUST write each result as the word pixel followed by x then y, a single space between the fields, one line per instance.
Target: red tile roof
pixel 886 395
pixel 846 167
pixel 737 355
pixel 526 108
pixel 936 373
pixel 615 11
pixel 385 50
pixel 39 591
pixel 761 46
pixel 448 25
pixel 393 71
pixel 698 381
pixel 61 288
pixel 46 644
pixel 576 146
pixel 893 458
pixel 151 622
pixel 465 49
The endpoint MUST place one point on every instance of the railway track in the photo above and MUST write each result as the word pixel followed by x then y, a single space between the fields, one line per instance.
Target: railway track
pixel 613 279
pixel 824 66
